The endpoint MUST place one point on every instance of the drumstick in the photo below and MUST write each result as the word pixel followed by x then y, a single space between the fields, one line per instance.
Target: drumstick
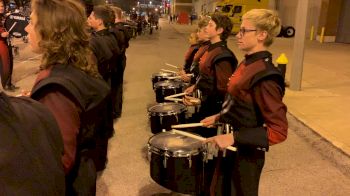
pixel 176 95
pixel 174 77
pixel 168 71
pixel 173 99
pixel 14 24
pixel 180 100
pixel 174 66
pixel 199 138
pixel 187 125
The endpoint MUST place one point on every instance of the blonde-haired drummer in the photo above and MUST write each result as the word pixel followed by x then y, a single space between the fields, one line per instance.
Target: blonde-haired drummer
pixel 254 104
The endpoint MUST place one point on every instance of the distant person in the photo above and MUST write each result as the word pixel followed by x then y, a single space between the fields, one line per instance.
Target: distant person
pixel 123 36
pixel 253 106
pixel 72 89
pixel 31 148
pixel 204 44
pixel 189 55
pixel 6 56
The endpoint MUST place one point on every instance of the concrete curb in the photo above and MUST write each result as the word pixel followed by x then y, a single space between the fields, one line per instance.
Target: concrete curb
pixel 331 152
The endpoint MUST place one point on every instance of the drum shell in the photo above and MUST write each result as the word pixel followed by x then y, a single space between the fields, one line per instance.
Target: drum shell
pixel 178 175
pixel 176 162
pixel 161 92
pixel 157 77
pixel 164 121
pixel 15 23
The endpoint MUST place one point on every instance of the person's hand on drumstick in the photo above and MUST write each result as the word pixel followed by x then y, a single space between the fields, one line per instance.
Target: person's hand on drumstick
pixel 184 77
pixel 222 141
pixel 190 89
pixel 5 34
pixel 186 99
pixel 210 120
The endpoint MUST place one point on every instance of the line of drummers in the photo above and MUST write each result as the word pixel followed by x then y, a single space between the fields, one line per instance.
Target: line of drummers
pixel 223 105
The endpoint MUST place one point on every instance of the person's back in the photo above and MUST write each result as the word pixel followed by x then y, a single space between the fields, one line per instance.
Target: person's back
pixel 69 85
pixel 31 148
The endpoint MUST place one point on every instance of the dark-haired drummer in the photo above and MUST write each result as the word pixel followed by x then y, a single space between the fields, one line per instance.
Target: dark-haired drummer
pixel 215 67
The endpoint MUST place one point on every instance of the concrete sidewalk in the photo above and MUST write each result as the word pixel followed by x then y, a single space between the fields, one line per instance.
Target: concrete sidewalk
pixel 324 100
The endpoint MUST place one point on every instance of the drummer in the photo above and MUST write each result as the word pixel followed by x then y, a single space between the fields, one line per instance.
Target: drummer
pixel 254 104
pixel 215 67
pixel 192 50
pixel 191 63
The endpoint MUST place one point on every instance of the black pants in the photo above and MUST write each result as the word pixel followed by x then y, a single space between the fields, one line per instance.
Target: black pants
pixel 245 175
pixel 117 88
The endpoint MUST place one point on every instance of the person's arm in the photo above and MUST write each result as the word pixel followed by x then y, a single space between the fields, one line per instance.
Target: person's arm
pixel 66 114
pixel 268 95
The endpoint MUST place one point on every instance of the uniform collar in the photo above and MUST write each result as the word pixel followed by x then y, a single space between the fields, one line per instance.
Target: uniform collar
pixel 102 32
pixel 251 58
pixel 217 44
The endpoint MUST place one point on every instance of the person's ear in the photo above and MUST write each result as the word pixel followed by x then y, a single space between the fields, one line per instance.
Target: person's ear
pixel 220 30
pixel 262 35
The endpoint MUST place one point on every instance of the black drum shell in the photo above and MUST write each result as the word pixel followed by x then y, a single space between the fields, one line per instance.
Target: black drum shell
pixel 157 77
pixel 178 176
pixel 18 29
pixel 174 87
pixel 161 121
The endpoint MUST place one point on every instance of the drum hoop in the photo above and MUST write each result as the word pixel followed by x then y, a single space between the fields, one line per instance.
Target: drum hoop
pixel 167 87
pixel 167 113
pixel 169 75
pixel 161 152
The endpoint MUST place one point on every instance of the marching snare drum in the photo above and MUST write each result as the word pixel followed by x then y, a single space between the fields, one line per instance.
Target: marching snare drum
pixel 15 24
pixel 176 162
pixel 166 88
pixel 163 115
pixel 161 76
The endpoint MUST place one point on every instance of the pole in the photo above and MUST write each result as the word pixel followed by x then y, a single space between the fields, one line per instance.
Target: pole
pixel 299 45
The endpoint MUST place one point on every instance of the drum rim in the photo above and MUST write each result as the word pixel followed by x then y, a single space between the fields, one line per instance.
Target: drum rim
pixel 167 113
pixel 172 84
pixel 181 154
pixel 170 75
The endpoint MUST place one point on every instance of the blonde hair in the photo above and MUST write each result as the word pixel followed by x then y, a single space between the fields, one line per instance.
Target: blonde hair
pixel 193 38
pixel 62 28
pixel 265 20
pixel 203 22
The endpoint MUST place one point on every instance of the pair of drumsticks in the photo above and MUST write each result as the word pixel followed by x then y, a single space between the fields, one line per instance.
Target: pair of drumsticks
pixel 174 72
pixel 173 98
pixel 231 148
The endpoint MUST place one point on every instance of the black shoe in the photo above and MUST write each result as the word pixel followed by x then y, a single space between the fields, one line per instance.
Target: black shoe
pixel 11 88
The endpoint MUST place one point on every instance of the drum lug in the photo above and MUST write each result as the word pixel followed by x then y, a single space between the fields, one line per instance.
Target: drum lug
pixel 205 156
pixel 177 119
pixel 161 120
pixel 165 159
pixel 149 153
pixel 189 160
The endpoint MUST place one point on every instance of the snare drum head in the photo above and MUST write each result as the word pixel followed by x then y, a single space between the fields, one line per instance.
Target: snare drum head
pixel 167 84
pixel 167 108
pixel 163 74
pixel 175 143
